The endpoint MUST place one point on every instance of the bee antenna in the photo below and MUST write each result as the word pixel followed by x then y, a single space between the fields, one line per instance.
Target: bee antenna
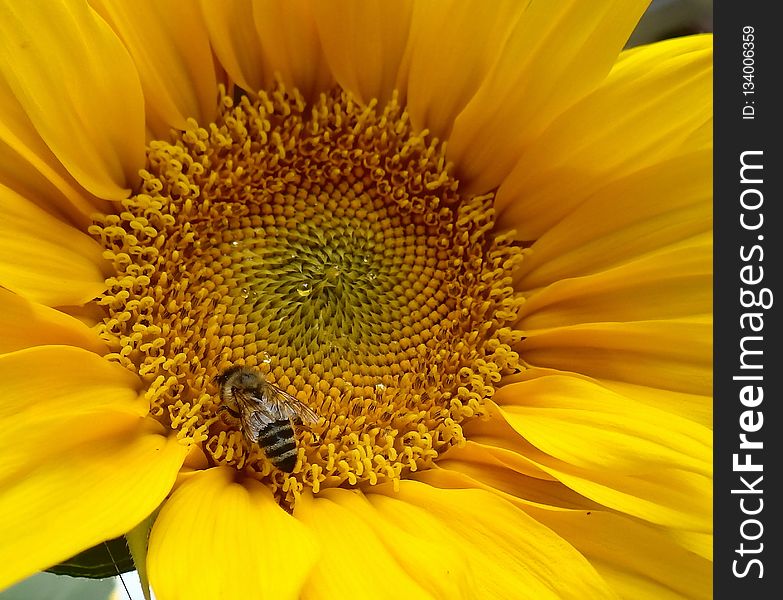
pixel 116 568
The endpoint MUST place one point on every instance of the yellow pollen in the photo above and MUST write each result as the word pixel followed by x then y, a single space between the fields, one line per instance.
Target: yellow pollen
pixel 328 247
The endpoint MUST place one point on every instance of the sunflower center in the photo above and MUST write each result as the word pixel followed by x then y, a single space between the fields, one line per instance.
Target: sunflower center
pixel 327 247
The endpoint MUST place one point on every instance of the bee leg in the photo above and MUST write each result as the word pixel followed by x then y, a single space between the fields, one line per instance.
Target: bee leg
pixel 230 411
pixel 305 427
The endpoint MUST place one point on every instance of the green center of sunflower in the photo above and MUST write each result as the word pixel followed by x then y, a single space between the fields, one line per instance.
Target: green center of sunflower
pixel 326 246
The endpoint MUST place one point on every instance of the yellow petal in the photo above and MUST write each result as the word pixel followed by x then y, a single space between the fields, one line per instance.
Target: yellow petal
pixel 358 563
pixel 638 560
pixel 28 167
pixel 83 495
pixel 289 39
pixel 234 39
pixel 81 463
pixel 364 41
pixel 42 258
pixel 169 45
pixel 670 283
pixel 494 437
pixel 79 88
pixel 556 53
pixel 673 499
pixel 693 541
pixel 444 64
pixel 588 426
pixel 26 324
pixel 215 538
pixel 668 204
pixel 626 456
pixel 643 114
pixel 53 395
pixel 90 314
pixel 694 407
pixel 455 476
pixel 510 554
pixel 673 354
pixel 481 465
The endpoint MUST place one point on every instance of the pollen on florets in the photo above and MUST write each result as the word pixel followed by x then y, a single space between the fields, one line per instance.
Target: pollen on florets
pixel 329 247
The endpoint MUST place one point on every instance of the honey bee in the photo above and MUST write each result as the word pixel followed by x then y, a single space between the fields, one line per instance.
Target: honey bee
pixel 267 413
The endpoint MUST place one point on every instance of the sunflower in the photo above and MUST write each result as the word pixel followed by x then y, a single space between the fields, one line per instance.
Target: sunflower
pixel 475 243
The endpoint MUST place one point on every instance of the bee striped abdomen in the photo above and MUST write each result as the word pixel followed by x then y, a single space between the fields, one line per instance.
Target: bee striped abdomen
pixel 277 440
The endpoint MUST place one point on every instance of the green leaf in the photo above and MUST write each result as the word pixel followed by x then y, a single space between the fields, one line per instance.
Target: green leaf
pixel 138 542
pixel 45 586
pixel 104 560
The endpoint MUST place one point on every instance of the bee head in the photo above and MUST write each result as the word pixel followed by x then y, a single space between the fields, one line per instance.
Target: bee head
pixel 223 378
pixel 239 377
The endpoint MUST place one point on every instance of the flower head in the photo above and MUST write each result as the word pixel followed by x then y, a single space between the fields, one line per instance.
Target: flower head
pixel 474 246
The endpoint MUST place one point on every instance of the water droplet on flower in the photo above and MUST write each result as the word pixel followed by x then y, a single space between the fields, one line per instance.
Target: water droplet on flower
pixel 332 272
pixel 372 275
pixel 265 358
pixel 304 289
pixel 245 293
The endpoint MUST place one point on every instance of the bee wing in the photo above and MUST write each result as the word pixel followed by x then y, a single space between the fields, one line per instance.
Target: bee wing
pixel 255 414
pixel 287 407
